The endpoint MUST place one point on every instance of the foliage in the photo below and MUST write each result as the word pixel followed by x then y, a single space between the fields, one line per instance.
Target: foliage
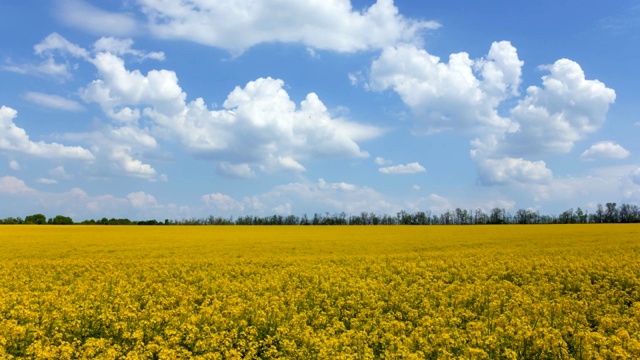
pixel 561 292
pixel 626 213
pixel 60 220
pixel 35 219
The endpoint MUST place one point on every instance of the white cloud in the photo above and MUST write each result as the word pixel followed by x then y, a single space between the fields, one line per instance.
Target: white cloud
pixel 80 205
pixel 47 67
pixel 509 170
pixel 605 150
pixel 465 94
pixel 122 47
pixel 141 200
pixel 328 25
pixel 59 172
pixel 54 44
pixel 55 41
pixel 259 126
pixel 14 165
pixel 119 87
pixel 324 196
pixel 284 163
pixel 283 209
pixel 235 170
pixel 223 202
pixel 411 168
pixel 53 101
pixel 439 204
pixel 47 181
pixel 416 187
pixel 15 139
pixel 87 17
pixel 552 118
pixel 460 94
pixel 382 161
pixel 121 156
pixel 13 185
pixel 575 190
pixel 118 150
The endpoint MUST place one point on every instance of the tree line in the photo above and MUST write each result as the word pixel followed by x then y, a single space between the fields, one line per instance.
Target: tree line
pixel 609 213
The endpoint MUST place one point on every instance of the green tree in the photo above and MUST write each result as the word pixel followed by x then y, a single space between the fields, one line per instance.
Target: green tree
pixel 35 219
pixel 61 220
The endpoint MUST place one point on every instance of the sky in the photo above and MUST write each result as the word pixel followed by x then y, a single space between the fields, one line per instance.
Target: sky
pixel 152 109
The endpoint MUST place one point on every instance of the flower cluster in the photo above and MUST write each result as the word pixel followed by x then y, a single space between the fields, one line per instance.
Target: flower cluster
pixel 559 292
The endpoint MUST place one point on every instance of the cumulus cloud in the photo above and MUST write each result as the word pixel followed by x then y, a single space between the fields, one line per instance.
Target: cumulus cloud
pixel 80 14
pixel 465 95
pixel 438 203
pixel 509 170
pixel 47 67
pixel 59 172
pixel 410 168
pixel 142 200
pixel 552 118
pixel 595 187
pixel 53 101
pixel 605 150
pixel 56 42
pixel 15 139
pixel 382 161
pixel 118 150
pixel 259 127
pixel 235 170
pixel 47 181
pixel 118 87
pixel 326 196
pixel 14 165
pixel 13 185
pixel 460 94
pixel 329 25
pixel 121 157
pixel 223 202
pixel 80 205
pixel 121 47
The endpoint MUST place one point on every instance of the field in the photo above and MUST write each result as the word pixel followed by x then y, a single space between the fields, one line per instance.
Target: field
pixel 216 292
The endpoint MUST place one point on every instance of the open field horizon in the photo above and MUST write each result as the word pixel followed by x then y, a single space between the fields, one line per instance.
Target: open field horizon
pixel 503 291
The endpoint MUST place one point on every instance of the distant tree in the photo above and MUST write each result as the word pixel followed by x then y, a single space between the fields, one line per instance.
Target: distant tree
pixel 35 219
pixel 521 217
pixel 479 217
pixel 566 217
pixel 611 213
pixel 61 220
pixel 497 216
pixel 599 215
pixel 634 213
pixel 12 220
pixel 149 222
pixel 581 216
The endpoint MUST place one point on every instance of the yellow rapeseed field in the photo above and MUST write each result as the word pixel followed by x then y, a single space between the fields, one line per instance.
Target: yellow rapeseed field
pixel 400 292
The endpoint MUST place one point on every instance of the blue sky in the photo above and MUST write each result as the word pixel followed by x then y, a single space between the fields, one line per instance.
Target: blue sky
pixel 152 109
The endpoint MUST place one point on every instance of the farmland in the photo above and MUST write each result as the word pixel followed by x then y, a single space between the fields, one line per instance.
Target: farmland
pixel 537 291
